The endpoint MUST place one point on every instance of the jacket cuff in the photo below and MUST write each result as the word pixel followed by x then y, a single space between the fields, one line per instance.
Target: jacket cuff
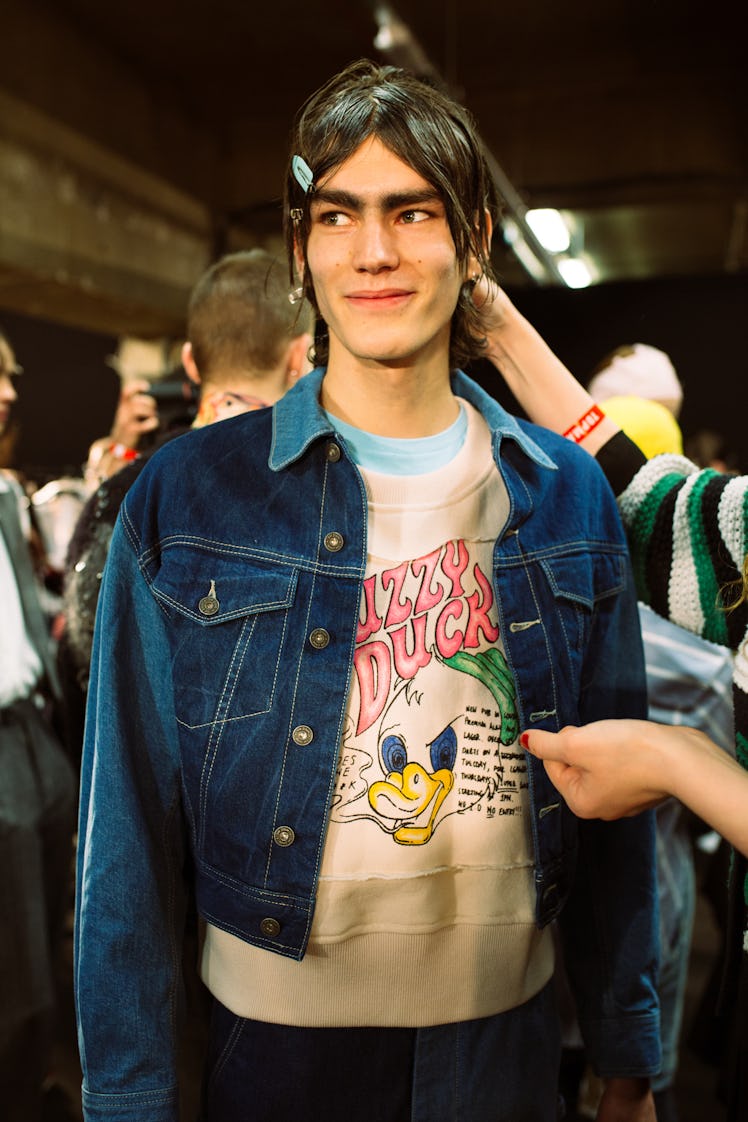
pixel 138 1106
pixel 626 1047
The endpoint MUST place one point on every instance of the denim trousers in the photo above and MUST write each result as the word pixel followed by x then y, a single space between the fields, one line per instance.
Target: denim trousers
pixel 37 820
pixel 496 1069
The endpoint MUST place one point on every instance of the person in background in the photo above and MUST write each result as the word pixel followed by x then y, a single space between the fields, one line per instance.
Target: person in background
pixel 688 534
pixel 246 344
pixel 688 684
pixel 37 812
pixel 139 364
pixel 638 370
pixel 708 448
pixel 320 629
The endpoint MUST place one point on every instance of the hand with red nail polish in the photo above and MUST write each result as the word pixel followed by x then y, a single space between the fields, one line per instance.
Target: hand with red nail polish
pixel 615 769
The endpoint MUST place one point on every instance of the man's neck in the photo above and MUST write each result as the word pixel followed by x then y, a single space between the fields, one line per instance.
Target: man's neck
pixel 390 401
pixel 237 393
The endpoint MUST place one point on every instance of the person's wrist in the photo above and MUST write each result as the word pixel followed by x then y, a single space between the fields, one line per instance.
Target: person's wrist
pixel 663 759
pixel 119 451
pixel 632 1088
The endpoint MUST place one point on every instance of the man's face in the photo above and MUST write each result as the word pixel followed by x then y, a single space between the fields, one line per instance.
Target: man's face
pixel 383 262
pixel 7 390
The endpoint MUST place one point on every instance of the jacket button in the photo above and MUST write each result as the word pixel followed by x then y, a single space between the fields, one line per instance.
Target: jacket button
pixel 333 452
pixel 270 927
pixel 284 835
pixel 333 542
pixel 302 734
pixel 208 606
pixel 319 638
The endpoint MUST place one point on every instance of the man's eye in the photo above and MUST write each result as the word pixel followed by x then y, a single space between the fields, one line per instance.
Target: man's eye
pixel 411 216
pixel 334 218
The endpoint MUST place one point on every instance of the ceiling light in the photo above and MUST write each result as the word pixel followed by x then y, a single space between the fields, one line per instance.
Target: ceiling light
pixel 549 228
pixel 575 272
pixel 384 38
pixel 514 239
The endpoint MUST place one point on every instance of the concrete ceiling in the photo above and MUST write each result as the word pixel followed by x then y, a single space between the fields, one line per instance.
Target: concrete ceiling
pixel 138 141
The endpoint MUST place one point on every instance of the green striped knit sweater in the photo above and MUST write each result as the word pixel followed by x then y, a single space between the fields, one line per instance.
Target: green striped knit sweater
pixel 688 534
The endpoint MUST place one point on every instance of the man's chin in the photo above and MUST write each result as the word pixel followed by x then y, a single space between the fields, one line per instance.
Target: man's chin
pixel 398 355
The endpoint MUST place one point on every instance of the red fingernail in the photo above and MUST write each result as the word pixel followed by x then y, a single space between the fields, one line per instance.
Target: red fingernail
pixel 524 739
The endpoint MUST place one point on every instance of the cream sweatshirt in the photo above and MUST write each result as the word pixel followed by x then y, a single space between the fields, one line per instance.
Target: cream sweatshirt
pixel 425 902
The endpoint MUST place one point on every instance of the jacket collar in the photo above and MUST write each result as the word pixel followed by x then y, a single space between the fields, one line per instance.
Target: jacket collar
pixel 299 420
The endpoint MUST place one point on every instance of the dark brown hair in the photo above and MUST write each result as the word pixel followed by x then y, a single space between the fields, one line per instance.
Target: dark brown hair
pixel 426 129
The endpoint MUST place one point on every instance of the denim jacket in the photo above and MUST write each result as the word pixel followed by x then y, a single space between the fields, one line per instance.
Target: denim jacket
pixel 222 658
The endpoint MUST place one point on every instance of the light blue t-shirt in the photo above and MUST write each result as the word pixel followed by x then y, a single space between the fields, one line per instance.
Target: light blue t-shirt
pixel 392 455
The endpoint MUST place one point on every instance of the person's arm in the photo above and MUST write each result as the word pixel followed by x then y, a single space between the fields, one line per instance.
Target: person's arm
pixel 547 391
pixel 135 416
pixel 614 769
pixel 626 1100
pixel 130 890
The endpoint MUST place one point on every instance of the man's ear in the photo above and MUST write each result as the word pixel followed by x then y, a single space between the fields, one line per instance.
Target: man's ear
pixel 298 256
pixel 473 268
pixel 297 363
pixel 189 364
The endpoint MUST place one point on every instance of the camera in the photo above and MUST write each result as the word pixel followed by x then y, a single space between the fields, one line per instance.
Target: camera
pixel 177 399
pixel 174 389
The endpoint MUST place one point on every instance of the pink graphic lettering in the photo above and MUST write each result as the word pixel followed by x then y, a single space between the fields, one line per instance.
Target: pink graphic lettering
pixel 449 644
pixel 478 618
pixel 398 611
pixel 371 621
pixel 455 566
pixel 372 665
pixel 428 597
pixel 407 664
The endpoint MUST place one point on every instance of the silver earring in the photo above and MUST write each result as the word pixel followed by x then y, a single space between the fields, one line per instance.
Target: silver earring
pixel 296 295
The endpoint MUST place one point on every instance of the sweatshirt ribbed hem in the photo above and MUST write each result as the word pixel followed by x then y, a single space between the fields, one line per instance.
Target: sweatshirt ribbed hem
pixel 458 973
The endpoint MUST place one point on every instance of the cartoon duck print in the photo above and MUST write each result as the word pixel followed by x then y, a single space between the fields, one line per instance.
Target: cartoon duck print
pixel 410 791
pixel 418 741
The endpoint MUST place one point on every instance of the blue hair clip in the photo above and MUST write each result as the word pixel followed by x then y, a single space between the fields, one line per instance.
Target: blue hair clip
pixel 303 174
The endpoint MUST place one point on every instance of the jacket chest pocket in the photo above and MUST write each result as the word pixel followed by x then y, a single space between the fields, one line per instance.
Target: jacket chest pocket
pixel 583 585
pixel 229 619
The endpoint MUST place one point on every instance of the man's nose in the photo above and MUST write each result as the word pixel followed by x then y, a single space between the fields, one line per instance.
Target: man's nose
pixel 375 246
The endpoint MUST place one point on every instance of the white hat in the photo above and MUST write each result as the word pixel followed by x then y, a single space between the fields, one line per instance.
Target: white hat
pixel 643 372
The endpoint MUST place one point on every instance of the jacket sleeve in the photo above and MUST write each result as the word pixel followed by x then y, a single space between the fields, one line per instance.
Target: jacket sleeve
pixel 610 924
pixel 130 886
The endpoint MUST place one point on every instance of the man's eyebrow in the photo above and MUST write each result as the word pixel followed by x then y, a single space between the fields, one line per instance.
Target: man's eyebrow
pixel 331 196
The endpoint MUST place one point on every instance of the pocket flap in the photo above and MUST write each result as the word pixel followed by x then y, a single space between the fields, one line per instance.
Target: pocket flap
pixel 586 578
pixel 211 588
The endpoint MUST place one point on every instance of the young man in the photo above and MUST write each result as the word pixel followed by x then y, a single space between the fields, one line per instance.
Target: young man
pixel 322 628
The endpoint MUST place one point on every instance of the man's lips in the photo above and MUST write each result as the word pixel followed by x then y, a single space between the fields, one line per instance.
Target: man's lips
pixel 379 297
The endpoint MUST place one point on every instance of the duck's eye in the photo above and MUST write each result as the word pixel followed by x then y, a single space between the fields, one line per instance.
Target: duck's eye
pixel 394 754
pixel 444 749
